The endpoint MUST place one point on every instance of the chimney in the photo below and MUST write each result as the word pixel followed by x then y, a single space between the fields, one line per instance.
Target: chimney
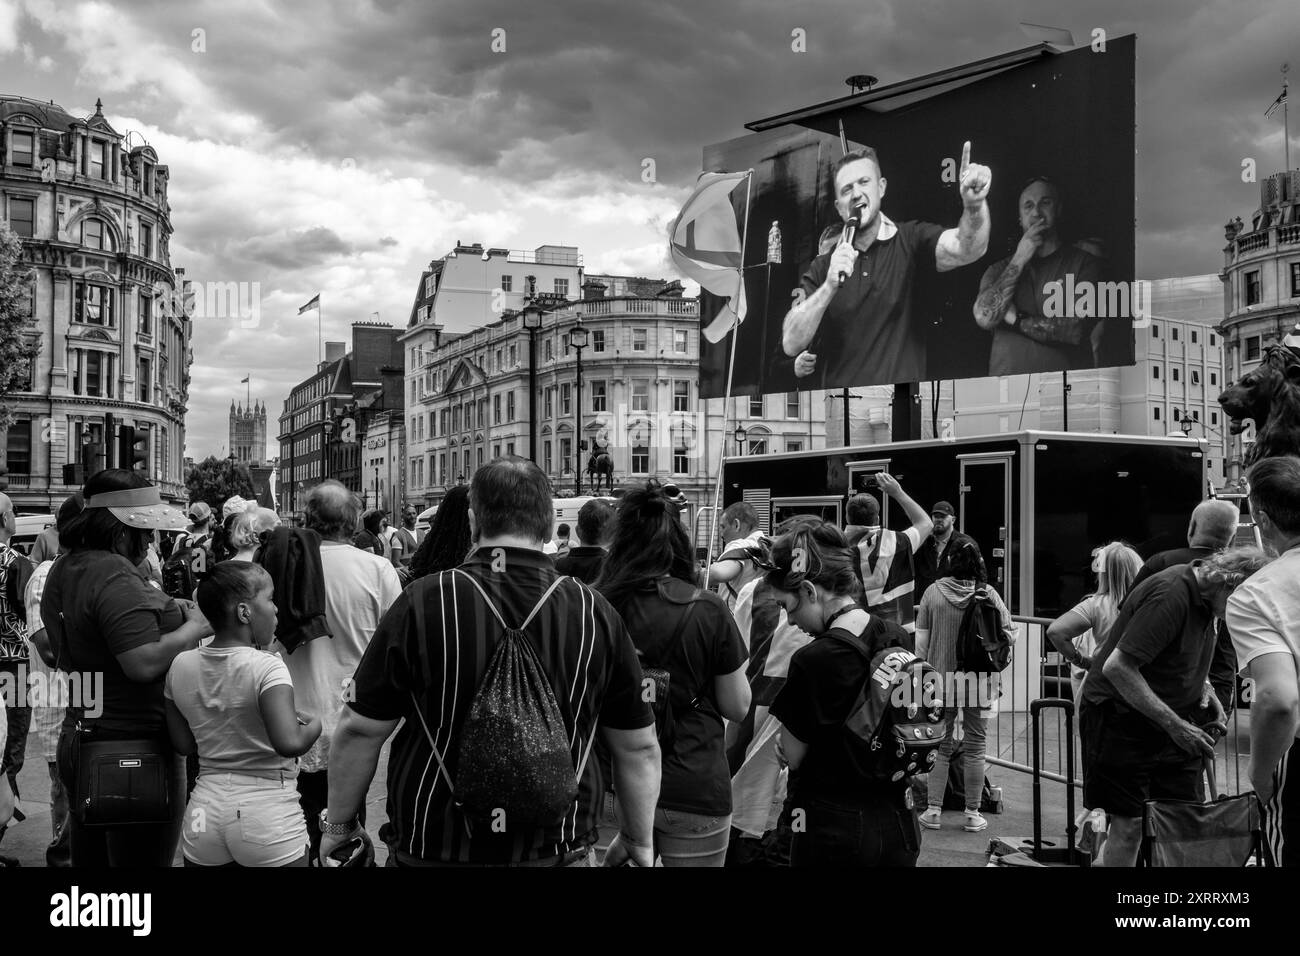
pixel 335 351
pixel 593 289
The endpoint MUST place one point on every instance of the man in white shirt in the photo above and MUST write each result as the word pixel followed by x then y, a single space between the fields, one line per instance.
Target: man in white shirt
pixel 1264 620
pixel 743 547
pixel 359 588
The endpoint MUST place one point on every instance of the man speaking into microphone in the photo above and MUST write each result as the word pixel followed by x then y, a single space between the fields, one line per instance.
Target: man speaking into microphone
pixel 857 299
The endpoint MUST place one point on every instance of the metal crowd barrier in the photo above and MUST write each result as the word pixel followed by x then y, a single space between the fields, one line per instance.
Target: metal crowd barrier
pixel 1038 671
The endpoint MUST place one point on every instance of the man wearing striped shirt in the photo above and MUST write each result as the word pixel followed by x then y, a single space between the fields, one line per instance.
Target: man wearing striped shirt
pixel 883 558
pixel 585 652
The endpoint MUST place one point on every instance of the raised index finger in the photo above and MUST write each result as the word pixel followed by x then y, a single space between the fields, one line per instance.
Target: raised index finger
pixel 965 156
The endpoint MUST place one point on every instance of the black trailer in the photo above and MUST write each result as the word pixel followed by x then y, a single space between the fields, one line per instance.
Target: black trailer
pixel 1036 502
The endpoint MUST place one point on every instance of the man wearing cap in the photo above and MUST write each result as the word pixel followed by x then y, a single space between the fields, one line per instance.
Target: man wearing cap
pixel 934 554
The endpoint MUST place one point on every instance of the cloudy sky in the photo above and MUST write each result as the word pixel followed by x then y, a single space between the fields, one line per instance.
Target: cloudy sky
pixel 337 147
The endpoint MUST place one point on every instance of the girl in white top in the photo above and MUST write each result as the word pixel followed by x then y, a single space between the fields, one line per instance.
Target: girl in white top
pixel 232 703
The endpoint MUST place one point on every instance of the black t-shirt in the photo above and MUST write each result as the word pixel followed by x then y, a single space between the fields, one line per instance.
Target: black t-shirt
pixel 696 778
pixel 823 683
pixel 97 605
pixel 868 334
pixel 583 563
pixel 584 651
pixel 1169 628
pixel 1168 559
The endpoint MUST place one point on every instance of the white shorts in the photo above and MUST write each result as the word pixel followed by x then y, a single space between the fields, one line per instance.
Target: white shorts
pixel 237 818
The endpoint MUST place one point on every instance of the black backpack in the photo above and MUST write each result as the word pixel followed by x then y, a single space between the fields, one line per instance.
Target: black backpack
pixel 187 565
pixel 896 725
pixel 983 647
pixel 514 754
pixel 20 572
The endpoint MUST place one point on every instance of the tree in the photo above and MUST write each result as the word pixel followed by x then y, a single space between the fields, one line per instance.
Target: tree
pixel 215 479
pixel 20 341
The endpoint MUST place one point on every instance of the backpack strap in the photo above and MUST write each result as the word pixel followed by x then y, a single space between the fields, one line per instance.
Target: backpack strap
pixel 417 606
pixel 493 608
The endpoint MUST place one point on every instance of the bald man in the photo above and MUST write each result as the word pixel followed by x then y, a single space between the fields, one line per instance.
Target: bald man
pixel 1211 529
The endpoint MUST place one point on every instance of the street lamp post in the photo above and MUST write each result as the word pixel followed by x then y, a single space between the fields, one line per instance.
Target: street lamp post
pixel 378 503
pixel 740 439
pixel 328 426
pixel 532 319
pixel 578 339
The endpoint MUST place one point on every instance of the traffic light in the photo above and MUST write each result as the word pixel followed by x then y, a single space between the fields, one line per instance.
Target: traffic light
pixel 140 453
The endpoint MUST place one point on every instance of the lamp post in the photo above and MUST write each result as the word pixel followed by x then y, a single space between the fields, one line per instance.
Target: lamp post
pixel 328 427
pixel 740 439
pixel 578 339
pixel 532 319
pixel 378 503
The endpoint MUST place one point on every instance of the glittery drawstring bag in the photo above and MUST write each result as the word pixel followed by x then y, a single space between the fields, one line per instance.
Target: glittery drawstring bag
pixel 514 756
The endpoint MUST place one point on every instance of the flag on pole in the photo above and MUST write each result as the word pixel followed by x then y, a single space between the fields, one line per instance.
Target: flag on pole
pixel 705 245
pixel 313 304
pixel 244 380
pixel 1281 98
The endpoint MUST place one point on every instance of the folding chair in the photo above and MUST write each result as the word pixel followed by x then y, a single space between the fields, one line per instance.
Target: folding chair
pixel 1225 831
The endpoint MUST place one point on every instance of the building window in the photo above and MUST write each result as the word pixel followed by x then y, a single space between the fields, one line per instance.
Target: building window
pixel 455 420
pixel 1213 340
pixel 482 412
pixel 548 403
pixel 640 459
pixel 1193 336
pixel 496 409
pixel 510 406
pixel 92 373
pixel 566 399
pixel 1214 378
pixel 22 217
pixel 1214 418
pixel 1196 415
pixel 498 360
pixel 145 381
pixel 599 397
pixel 514 356
pixel 1155 330
pixel 1253 291
pixel 681 461
pixel 18 458
pixel 95 236
pixel 510 448
pixel 24 149
pixel 442 468
pixel 1155 413
pixel 598 340
pixel 794 444
pixel 758 445
pixel 1196 377
pixel 679 341
pixel 562 287
pixel 1295 280
pixel 144 314
pixel 507 283
pixel 94 305
pixel 548 350
pixel 496 450
pixel 98 162
pixel 430 286
pixel 756 406
pixel 681 396
pixel 546 457
pixel 1173 332
pixel 1252 348
pixel 566 454
pixel 638 340
pixel 640 395
pixel 433 425
pixel 1177 415
pixel 1175 373
pixel 146 240
pixel 791 404
pixel 478 456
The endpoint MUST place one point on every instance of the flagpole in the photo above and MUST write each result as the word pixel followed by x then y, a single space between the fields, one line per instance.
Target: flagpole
pixel 320 331
pixel 731 368
pixel 1286 126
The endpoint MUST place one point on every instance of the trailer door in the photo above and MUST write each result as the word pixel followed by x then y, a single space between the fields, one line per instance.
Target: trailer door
pixel 985 514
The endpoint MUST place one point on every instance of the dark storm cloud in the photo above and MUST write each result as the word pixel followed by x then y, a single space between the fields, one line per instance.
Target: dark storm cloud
pixel 292 250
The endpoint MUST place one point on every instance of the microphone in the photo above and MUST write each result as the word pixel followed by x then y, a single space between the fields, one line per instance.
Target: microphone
pixel 850 230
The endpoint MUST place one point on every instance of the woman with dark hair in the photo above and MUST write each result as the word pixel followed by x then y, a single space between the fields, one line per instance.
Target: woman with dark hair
pixel 850 819
pixel 449 539
pixel 938 626
pixel 367 539
pixel 112 630
pixel 649 578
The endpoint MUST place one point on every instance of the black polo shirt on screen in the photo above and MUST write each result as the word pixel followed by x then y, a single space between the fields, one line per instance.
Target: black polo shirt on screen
pixel 585 652
pixel 1168 627
pixel 867 333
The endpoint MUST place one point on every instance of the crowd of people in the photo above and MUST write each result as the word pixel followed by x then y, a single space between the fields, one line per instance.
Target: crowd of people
pixel 548 690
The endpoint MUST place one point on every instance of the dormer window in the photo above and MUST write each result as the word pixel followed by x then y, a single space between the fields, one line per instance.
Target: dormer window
pixel 98 159
pixel 23 152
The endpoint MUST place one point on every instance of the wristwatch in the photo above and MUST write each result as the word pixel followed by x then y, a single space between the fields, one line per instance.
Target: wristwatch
pixel 336 829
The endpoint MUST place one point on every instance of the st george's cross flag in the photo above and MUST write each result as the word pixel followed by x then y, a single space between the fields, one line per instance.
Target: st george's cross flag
pixel 705 245
pixel 313 304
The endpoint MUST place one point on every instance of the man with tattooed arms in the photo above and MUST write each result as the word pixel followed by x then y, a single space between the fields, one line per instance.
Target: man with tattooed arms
pixel 1013 293
pixel 857 298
